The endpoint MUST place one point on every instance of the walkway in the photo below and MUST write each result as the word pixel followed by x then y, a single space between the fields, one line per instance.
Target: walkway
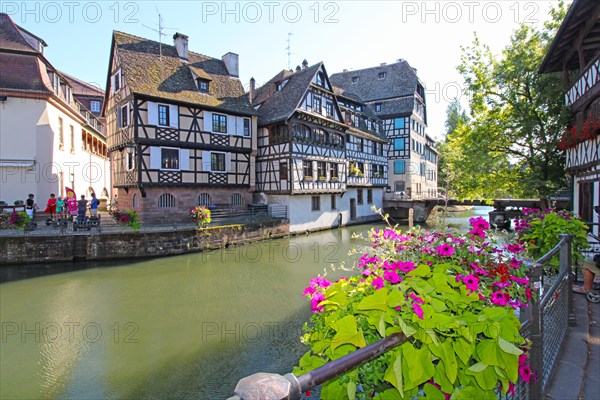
pixel 577 373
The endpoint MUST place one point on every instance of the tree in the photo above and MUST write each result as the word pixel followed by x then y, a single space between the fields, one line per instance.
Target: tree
pixel 517 118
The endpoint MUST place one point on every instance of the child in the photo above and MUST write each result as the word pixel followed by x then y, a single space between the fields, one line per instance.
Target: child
pixel 51 206
pixel 60 207
pixel 30 206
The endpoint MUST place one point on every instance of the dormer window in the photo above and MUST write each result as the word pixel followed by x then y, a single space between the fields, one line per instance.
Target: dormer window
pixel 281 85
pixel 381 75
pixel 320 79
pixel 378 107
pixel 202 84
pixel 355 79
pixel 94 106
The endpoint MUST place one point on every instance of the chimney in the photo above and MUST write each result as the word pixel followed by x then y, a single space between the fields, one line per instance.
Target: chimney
pixel 345 70
pixel 181 45
pixel 298 69
pixel 252 90
pixel 305 64
pixel 232 62
pixel 382 64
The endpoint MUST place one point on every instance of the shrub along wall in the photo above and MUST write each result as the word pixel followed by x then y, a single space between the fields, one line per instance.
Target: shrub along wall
pixel 29 249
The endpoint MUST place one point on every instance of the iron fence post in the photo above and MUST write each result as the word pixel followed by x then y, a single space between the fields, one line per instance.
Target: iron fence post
pixel 565 264
pixel 537 334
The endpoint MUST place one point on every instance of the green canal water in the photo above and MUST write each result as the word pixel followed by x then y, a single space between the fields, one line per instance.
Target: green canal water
pixel 180 327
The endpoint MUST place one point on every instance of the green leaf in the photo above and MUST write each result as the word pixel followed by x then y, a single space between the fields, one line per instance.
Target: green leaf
pixel 463 349
pixel 433 393
pixel 407 329
pixel 351 390
pixel 396 298
pixel 488 350
pixel 390 394
pixel 421 367
pixel 376 301
pixel 508 347
pixel 333 390
pixel 394 372
pixel 422 270
pixel 478 367
pixel 347 332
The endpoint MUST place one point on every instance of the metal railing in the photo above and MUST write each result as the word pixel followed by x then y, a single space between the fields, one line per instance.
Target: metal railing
pixel 546 326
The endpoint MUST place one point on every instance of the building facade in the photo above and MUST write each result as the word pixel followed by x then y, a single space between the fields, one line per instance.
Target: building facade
pixel 397 97
pixel 575 51
pixel 306 151
pixel 181 132
pixel 48 139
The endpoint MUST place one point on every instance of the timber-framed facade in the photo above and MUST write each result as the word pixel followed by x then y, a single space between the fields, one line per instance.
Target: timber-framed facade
pixel 181 132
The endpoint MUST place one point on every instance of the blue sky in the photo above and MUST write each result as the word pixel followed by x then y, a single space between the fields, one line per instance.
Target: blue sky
pixel 343 34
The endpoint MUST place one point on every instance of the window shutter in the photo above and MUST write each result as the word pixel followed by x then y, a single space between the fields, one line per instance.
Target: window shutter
pixel 155 158
pixel 184 159
pixel 207 121
pixel 152 113
pixel 239 121
pixel 173 116
pixel 206 166
pixel 119 119
pixel 227 162
pixel 230 125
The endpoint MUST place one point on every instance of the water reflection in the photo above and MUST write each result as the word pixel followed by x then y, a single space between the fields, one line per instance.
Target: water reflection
pixel 188 326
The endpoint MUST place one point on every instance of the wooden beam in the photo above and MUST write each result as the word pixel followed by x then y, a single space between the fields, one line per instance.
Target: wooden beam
pixel 577 42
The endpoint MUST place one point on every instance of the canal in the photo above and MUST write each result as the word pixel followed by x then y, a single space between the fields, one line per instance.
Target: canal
pixel 181 327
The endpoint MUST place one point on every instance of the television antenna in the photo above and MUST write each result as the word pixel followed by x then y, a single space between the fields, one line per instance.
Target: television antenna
pixel 289 50
pixel 160 31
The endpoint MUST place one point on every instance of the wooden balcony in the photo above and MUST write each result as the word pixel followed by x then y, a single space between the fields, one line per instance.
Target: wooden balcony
pixel 584 84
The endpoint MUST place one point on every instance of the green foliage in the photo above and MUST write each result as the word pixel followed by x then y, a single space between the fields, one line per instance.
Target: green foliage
pixel 201 215
pixel 15 220
pixel 540 231
pixel 452 296
pixel 508 146
pixel 127 217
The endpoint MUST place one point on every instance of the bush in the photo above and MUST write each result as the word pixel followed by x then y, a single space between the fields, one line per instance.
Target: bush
pixel 453 296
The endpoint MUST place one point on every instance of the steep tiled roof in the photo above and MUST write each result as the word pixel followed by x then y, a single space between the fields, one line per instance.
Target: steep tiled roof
pixel 10 36
pixel 166 77
pixel 81 88
pixel 21 72
pixel 404 105
pixel 280 105
pixel 400 80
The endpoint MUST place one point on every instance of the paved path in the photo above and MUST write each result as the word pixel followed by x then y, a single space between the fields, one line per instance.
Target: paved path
pixel 577 373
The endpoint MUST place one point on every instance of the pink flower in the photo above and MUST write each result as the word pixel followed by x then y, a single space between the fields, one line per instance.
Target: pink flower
pixel 528 293
pixel 418 310
pixel 479 223
pixel 477 232
pixel 523 358
pixel 309 290
pixel 317 298
pixel 416 298
pixel 501 285
pixel 478 270
pixel 520 281
pixel 515 248
pixel 366 272
pixel 516 304
pixel 406 266
pixel 445 250
pixel 525 373
pixel 320 282
pixel 392 277
pixel 499 298
pixel 471 282
pixel 377 283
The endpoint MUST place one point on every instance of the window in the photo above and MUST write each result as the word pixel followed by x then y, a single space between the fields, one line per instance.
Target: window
pixel 217 162
pixel 361 145
pixel 307 169
pixel 166 200
pixel 61 137
pixel 422 169
pixel 333 202
pixel 369 196
pixel 329 108
pixel 124 116
pixel 237 200
pixel 317 104
pixel 202 85
pixel 169 158
pixel 163 115
pixel 279 134
pixel 136 201
pixel 219 123
pixel 321 169
pixel 399 123
pixel 72 139
pixel 337 140
pixel 378 107
pixel 301 132
pixel 204 199
pixel 320 79
pixel 319 135
pixel 246 127
pixel 399 144
pixel 283 171
pixel 316 203
pixel 355 79
pixel 129 161
pixel 333 170
pixel 95 106
pixel 56 84
pixel 399 167
pixel 381 75
pixel 117 81
pixel 359 196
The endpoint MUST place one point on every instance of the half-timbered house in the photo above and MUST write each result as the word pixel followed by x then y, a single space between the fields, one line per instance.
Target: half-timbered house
pixel 575 51
pixel 365 144
pixel 181 132
pixel 301 159
pixel 397 96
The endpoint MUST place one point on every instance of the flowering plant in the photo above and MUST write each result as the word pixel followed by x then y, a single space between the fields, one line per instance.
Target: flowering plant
pixel 590 129
pixel 453 296
pixel 126 217
pixel 538 231
pixel 16 219
pixel 201 215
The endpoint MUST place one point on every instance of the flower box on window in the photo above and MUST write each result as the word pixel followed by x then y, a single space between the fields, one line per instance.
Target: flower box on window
pixel 308 178
pixel 589 130
pixel 322 178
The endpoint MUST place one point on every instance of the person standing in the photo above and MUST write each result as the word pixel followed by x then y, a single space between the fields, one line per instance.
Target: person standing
pixel 114 206
pixel 51 206
pixel 94 206
pixel 30 206
pixel 60 207
pixel 81 209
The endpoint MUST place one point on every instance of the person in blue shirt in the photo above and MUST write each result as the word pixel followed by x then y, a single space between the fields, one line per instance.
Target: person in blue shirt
pixel 94 205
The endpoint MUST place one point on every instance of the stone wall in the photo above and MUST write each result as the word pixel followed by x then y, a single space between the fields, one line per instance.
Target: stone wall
pixel 29 249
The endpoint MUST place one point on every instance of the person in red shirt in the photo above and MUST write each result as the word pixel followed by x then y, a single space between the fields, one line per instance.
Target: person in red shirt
pixel 51 206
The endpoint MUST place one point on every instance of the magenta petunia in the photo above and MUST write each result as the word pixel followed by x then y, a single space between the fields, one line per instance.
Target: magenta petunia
pixel 445 250
pixel 418 310
pixel 479 223
pixel 515 248
pixel 502 285
pixel 377 283
pixel 320 282
pixel 528 293
pixel 477 232
pixel 515 264
pixel 366 272
pixel 525 373
pixel 523 359
pixel 316 299
pixel 520 281
pixel 471 282
pixel 499 298
pixel 478 270
pixel 309 290
pixel 416 298
pixel 392 277
pixel 406 266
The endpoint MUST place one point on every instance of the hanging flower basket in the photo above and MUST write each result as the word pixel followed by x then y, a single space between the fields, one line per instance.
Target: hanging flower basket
pixel 589 130
pixel 201 216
